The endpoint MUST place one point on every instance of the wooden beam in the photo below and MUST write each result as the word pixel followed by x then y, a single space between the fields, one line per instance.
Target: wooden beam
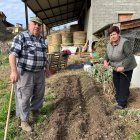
pixel 130 25
pixel 60 14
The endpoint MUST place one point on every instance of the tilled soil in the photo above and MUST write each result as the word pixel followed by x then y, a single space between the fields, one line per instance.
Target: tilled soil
pixel 81 112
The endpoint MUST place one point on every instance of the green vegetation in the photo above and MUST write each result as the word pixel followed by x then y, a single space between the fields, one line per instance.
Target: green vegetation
pixel 136 136
pixel 13 131
pixel 100 46
pixel 3 84
pixel 4 103
pixel 3 59
pixel 47 108
pixel 130 112
pixel 104 77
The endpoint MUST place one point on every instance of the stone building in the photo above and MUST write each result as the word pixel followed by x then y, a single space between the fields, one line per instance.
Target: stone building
pixel 99 13
pixel 91 15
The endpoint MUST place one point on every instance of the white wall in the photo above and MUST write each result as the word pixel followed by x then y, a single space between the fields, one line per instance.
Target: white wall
pixel 135 82
pixel 88 26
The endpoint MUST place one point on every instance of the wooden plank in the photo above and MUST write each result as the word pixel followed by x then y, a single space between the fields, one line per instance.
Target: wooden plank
pixel 130 25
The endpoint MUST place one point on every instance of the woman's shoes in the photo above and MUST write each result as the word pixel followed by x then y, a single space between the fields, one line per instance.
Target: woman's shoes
pixel 118 107
pixel 113 100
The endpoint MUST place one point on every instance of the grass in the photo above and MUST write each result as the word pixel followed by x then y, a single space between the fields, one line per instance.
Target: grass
pixel 4 100
pixel 3 116
pixel 49 98
pixel 47 109
pixel 13 131
pixel 4 59
pixel 3 84
pixel 133 116
pixel 130 112
pixel 136 136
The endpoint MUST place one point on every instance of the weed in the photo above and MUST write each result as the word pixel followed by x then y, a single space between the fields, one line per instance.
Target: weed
pixel 2 125
pixel 4 108
pixel 47 109
pixel 3 116
pixel 136 136
pixel 3 84
pixel 49 98
pixel 4 59
pixel 130 112
pixel 40 119
pixel 12 130
pixel 1 135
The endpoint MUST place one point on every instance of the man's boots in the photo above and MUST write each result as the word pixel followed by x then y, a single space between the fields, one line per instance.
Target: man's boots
pixel 25 126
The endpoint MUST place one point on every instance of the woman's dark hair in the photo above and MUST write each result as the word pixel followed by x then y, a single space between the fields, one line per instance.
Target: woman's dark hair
pixel 113 29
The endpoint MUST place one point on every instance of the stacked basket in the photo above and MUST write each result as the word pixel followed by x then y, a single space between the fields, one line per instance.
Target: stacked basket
pixel 67 39
pixel 54 42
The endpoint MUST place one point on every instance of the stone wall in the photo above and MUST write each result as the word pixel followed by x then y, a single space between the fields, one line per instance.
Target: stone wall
pixel 106 12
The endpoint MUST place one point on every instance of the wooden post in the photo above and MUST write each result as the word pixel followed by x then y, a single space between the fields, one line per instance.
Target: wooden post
pixel 26 14
pixel 43 30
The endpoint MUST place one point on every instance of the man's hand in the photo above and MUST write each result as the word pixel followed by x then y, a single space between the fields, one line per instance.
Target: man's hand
pixel 14 76
pixel 47 72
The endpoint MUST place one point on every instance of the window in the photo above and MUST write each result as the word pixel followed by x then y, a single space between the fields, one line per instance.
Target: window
pixel 124 17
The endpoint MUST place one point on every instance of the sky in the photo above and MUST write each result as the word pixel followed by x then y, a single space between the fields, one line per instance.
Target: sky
pixel 15 12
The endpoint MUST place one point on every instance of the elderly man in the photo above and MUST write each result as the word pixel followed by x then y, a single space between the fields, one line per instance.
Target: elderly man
pixel 28 66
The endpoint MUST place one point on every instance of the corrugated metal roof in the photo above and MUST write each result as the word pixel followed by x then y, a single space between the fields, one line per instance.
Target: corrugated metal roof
pixel 56 12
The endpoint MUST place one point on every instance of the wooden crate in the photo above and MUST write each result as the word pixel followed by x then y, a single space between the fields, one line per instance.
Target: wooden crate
pixel 57 61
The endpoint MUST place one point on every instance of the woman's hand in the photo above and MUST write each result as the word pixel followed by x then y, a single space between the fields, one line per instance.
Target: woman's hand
pixel 120 69
pixel 106 64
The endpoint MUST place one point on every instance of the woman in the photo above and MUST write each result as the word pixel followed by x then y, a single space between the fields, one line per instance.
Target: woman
pixel 120 56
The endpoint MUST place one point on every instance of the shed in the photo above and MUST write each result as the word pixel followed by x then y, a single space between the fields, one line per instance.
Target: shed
pixel 125 27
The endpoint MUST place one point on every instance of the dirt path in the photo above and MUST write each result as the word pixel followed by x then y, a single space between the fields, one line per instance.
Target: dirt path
pixel 70 118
